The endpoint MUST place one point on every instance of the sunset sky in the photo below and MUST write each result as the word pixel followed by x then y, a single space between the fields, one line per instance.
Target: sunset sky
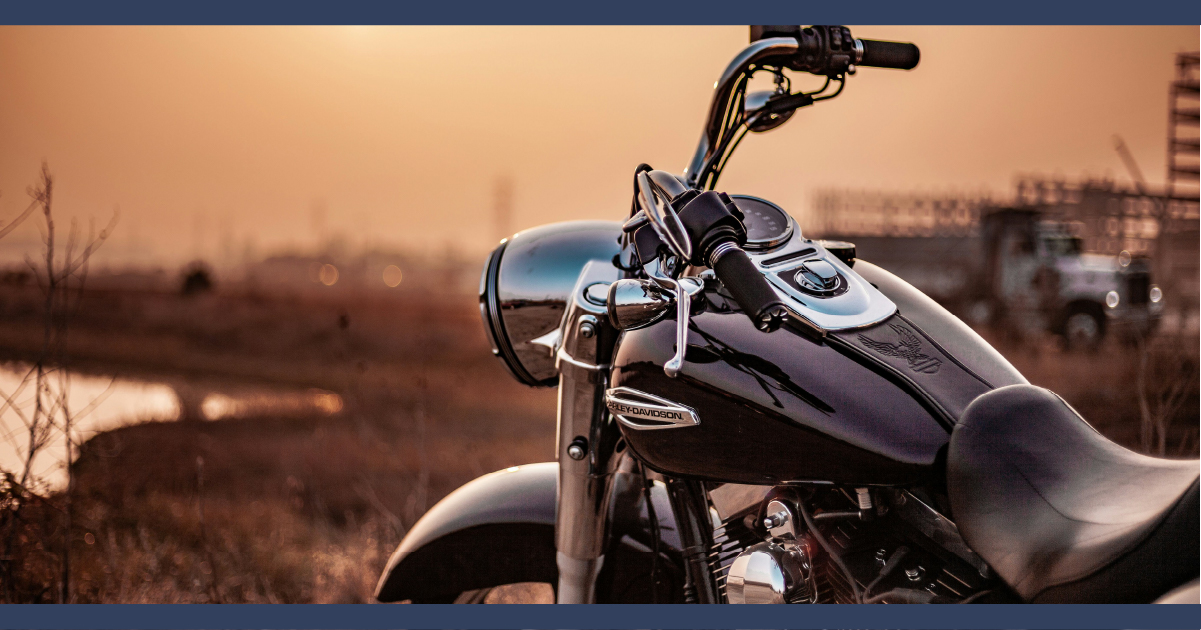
pixel 212 140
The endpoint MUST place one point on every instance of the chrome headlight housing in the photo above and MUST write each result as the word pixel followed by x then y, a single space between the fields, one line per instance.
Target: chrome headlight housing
pixel 525 288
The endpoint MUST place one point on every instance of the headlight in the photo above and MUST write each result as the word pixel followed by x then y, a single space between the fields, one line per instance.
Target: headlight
pixel 525 287
pixel 1112 299
pixel 1156 294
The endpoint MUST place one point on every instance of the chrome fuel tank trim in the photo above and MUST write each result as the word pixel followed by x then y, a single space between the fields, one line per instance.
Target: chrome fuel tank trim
pixel 640 410
pixel 832 296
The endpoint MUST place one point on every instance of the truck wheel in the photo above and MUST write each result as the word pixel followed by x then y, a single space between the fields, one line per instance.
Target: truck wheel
pixel 1083 329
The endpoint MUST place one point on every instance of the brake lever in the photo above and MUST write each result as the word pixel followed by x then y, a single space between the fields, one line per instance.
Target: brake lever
pixel 683 289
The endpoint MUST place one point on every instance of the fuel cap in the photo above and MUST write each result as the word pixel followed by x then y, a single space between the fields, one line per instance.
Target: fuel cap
pixel 815 277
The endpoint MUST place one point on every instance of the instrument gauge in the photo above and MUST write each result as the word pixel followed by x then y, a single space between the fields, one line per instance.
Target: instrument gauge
pixel 767 225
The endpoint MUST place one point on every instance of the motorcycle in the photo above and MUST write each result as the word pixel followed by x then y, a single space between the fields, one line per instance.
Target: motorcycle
pixel 747 415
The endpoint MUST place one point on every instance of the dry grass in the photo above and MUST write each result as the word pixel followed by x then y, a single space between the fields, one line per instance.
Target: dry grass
pixel 298 510
pixel 308 509
pixel 1102 385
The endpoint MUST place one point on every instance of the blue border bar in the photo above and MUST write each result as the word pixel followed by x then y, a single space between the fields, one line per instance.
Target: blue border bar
pixel 598 12
pixel 611 617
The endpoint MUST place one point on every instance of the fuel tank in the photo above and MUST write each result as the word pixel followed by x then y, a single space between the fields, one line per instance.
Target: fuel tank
pixel 872 405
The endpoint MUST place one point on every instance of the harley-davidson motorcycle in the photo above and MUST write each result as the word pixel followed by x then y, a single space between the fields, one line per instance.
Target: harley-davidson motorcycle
pixel 747 415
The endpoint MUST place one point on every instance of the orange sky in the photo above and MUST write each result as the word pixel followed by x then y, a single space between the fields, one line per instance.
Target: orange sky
pixel 209 138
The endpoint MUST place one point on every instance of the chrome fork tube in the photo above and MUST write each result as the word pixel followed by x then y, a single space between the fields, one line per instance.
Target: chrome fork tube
pixel 586 441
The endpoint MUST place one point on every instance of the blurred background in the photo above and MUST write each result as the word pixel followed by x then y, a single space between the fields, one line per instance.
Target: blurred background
pixel 240 352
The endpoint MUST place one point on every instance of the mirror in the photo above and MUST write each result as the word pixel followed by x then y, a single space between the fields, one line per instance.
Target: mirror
pixel 754 103
pixel 637 303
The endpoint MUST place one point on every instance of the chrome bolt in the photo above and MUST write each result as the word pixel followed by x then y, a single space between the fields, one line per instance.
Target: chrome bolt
pixel 775 520
pixel 915 573
pixel 587 330
pixel 578 449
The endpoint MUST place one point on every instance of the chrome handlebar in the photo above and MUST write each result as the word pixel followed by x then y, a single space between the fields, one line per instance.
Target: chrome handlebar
pixel 724 88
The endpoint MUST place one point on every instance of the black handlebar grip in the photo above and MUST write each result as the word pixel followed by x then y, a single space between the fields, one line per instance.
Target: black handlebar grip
pixel 898 55
pixel 748 287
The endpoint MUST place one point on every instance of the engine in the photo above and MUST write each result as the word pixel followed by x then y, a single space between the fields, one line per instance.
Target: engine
pixel 839 546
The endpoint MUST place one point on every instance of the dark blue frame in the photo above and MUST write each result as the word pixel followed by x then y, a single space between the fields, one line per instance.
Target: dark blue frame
pixel 614 617
pixel 608 12
pixel 301 617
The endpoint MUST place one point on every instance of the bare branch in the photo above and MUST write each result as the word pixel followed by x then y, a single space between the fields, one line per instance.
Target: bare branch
pixel 101 397
pixel 71 265
pixel 12 225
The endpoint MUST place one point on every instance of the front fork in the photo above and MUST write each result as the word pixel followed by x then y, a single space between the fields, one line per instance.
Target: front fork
pixel 587 440
pixel 586 437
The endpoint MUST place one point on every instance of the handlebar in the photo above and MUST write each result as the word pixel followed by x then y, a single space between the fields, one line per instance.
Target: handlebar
pixel 747 286
pixel 760 52
pixel 828 51
pixel 714 227
pixel 880 54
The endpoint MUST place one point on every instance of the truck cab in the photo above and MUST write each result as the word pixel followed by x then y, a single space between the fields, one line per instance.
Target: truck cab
pixel 1041 277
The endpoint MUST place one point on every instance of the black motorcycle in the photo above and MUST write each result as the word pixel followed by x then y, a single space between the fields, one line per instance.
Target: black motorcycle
pixel 750 416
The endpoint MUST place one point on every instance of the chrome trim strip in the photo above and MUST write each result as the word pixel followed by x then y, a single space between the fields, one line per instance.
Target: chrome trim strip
pixel 563 356
pixel 860 306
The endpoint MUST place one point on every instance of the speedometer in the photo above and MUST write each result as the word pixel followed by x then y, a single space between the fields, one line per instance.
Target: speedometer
pixel 767 225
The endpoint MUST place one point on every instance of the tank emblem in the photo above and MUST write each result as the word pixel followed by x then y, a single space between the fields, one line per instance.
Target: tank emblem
pixel 910 349
pixel 640 410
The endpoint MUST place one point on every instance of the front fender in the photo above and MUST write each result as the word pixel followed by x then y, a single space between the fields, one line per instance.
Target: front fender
pixel 497 529
pixel 500 529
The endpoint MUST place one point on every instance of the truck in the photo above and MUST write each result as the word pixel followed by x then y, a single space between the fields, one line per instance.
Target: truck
pixel 1023 272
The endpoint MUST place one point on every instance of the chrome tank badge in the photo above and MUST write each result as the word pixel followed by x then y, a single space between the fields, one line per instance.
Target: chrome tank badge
pixel 640 410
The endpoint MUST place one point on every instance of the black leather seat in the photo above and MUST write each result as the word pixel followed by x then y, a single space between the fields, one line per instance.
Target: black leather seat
pixel 1063 514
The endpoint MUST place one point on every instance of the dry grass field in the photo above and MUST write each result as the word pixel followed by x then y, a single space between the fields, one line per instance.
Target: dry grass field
pixel 308 508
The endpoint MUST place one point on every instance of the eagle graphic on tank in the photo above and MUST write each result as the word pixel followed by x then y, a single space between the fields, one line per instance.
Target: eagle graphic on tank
pixel 909 348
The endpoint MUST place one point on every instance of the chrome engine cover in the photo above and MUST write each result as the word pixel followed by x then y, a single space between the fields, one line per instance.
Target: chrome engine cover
pixel 777 571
